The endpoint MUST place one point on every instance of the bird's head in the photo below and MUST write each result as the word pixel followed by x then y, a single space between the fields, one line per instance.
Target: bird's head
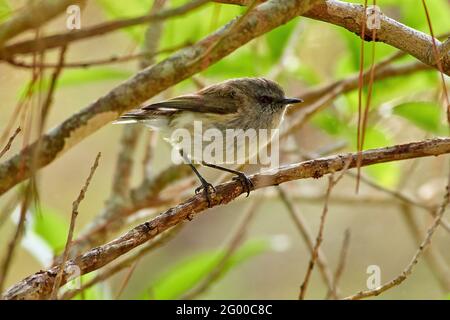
pixel 265 94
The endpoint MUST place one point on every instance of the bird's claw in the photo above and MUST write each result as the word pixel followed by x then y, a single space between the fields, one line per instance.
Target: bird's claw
pixel 246 183
pixel 207 188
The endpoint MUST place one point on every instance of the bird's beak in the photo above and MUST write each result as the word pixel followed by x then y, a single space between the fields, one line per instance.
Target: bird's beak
pixel 291 100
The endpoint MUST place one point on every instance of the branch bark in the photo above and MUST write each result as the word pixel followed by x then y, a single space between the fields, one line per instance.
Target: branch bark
pixel 39 285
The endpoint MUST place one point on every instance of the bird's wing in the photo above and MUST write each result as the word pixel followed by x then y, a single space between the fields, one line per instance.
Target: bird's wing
pixel 216 99
pixel 205 103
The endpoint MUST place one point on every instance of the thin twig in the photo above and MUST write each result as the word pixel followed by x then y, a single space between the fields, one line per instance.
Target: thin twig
pixel 10 141
pixel 341 263
pixel 99 62
pixel 26 198
pixel 438 60
pixel 73 218
pixel 433 256
pixel 331 183
pixel 53 82
pixel 126 279
pixel 360 90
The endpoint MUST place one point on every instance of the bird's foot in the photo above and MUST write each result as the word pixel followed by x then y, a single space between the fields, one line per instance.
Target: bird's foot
pixel 245 181
pixel 207 189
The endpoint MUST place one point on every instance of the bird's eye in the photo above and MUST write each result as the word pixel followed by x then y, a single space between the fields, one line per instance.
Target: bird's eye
pixel 265 99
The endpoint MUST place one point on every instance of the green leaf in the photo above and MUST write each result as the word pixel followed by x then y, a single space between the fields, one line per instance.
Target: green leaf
pixel 425 115
pixel 52 228
pixel 186 274
pixel 5 10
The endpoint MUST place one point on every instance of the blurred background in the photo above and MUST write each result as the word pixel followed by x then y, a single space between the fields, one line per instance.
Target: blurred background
pixel 272 258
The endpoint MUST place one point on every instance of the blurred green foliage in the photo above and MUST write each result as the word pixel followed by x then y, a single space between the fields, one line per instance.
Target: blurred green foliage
pixel 52 228
pixel 425 115
pixel 191 271
pixel 5 10
pixel 79 77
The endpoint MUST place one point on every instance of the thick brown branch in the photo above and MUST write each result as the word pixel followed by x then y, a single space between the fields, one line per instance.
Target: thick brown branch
pixel 39 285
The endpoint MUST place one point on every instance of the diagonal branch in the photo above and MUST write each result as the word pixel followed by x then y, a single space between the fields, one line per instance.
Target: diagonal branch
pixel 39 285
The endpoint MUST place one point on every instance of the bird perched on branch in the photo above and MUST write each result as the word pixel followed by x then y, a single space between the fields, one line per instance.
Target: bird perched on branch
pixel 236 108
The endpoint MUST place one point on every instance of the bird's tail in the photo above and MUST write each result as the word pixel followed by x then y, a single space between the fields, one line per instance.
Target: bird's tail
pixel 155 119
pixel 133 116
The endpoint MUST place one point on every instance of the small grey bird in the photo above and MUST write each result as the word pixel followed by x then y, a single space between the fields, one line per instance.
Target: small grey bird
pixel 237 104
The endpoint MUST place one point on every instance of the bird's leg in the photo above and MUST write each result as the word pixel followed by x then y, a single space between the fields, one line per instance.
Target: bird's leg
pixel 206 186
pixel 247 184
